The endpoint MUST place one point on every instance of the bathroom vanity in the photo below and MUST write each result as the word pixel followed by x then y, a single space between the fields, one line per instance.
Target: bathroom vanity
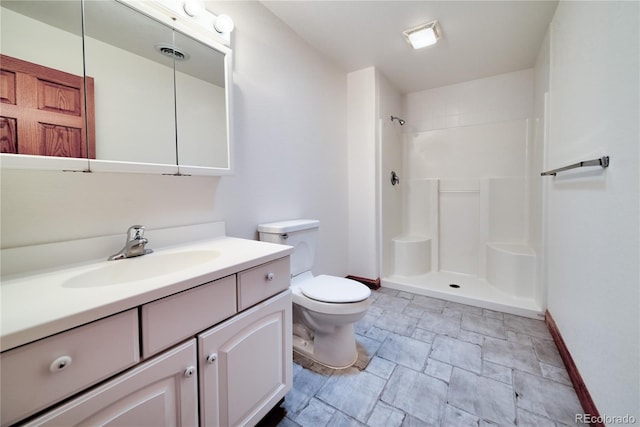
pixel 192 334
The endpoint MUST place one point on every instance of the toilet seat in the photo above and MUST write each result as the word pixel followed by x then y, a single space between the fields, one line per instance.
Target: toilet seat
pixel 335 290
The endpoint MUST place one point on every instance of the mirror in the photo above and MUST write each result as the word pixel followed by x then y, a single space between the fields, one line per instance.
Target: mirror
pixel 42 90
pixel 156 99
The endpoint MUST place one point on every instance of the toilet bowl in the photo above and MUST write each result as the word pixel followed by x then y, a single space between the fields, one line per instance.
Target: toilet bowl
pixel 323 330
pixel 325 307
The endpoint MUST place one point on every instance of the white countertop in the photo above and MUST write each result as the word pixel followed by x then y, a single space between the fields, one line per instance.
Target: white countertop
pixel 37 305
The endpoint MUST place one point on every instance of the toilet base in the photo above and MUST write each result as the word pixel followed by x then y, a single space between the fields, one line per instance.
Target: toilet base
pixel 305 348
pixel 335 351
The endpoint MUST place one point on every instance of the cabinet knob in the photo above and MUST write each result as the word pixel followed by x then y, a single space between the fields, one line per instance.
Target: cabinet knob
pixel 270 276
pixel 60 364
pixel 212 358
pixel 189 371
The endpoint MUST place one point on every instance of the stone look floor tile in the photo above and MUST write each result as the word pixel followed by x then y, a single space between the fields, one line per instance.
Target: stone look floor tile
pixel 511 354
pixel 413 310
pixel 315 413
pixel 532 327
pixel 376 334
pixel 391 303
pixel 381 367
pixel 423 335
pixel 431 304
pixel 397 322
pixel 556 374
pixel 494 314
pixel 461 308
pixel 428 362
pixel 306 384
pixel 527 419
pixel 457 353
pixel 519 338
pixel 341 420
pixel 456 417
pixel 446 324
pixel 419 395
pixel 384 415
pixel 546 398
pixel 487 398
pixel 363 325
pixel 439 370
pixel 483 325
pixel 405 351
pixel 472 337
pixel 355 393
pixel 497 372
pixel 547 352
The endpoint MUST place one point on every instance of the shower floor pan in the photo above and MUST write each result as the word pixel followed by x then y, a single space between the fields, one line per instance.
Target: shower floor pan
pixel 466 289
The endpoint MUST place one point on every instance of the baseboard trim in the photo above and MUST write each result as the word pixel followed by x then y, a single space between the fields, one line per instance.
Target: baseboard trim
pixel 372 283
pixel 580 387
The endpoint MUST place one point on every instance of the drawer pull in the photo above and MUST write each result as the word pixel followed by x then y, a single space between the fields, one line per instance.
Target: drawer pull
pixel 212 358
pixel 60 364
pixel 189 371
pixel 270 276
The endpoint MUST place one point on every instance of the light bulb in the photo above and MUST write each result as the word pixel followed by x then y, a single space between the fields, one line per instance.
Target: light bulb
pixel 193 7
pixel 223 24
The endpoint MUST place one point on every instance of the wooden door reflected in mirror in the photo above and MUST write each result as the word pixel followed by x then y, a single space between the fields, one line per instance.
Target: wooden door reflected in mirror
pixel 43 111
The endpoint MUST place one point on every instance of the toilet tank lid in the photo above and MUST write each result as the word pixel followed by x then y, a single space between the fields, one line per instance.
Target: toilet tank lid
pixel 289 226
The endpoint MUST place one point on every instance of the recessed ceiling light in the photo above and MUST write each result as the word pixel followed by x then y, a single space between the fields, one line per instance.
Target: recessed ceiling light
pixel 423 35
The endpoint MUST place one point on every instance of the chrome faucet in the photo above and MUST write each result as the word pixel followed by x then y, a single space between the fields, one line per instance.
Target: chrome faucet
pixel 134 245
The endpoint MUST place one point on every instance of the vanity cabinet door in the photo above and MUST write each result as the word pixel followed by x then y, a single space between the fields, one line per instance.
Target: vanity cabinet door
pixel 246 364
pixel 159 392
pixel 47 371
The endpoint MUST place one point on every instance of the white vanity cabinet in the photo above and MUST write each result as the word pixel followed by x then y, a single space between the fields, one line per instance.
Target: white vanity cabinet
pixel 216 353
pixel 39 374
pixel 247 364
pixel 160 392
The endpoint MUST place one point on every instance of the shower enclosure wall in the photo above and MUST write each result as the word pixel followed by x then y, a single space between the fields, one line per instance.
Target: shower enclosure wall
pixel 464 216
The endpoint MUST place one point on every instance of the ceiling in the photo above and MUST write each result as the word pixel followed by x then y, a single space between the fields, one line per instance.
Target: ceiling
pixel 480 38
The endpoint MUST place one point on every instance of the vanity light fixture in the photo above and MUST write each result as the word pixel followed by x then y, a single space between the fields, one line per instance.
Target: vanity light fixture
pixel 223 24
pixel 423 35
pixel 193 8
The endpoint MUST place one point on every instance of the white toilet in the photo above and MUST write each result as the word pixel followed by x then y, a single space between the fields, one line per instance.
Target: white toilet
pixel 324 307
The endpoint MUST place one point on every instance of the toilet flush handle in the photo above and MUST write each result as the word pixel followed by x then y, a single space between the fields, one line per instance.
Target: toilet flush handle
pixel 284 236
pixel 270 276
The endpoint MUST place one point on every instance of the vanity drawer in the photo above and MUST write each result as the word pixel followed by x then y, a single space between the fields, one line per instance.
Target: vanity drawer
pixel 259 283
pixel 38 374
pixel 169 320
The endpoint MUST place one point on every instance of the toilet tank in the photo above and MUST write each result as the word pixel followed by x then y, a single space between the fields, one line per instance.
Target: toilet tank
pixel 302 234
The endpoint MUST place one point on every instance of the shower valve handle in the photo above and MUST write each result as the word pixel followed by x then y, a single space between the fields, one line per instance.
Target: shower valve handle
pixel 395 179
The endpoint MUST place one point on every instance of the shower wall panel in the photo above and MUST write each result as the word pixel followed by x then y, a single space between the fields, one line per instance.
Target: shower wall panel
pixel 459 226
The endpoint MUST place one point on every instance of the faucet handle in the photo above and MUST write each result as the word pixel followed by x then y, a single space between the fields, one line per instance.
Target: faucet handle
pixel 135 232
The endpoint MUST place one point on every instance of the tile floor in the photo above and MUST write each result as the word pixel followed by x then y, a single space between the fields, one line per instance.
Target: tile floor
pixel 429 362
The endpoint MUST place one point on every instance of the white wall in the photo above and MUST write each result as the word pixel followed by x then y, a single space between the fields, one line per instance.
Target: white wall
pixel 389 103
pixel 290 152
pixel 374 150
pixel 593 214
pixel 535 156
pixel 362 124
pixel 494 99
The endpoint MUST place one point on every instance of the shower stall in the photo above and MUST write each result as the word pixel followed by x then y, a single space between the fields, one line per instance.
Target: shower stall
pixel 456 223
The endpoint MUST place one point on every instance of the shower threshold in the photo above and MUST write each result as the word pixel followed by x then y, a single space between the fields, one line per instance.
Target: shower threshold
pixel 465 289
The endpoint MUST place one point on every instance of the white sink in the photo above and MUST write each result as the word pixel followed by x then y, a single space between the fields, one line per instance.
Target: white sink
pixel 140 268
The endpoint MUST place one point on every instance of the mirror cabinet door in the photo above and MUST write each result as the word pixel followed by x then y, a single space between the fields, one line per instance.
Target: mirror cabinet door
pixel 129 57
pixel 42 109
pixel 201 107
pixel 143 98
